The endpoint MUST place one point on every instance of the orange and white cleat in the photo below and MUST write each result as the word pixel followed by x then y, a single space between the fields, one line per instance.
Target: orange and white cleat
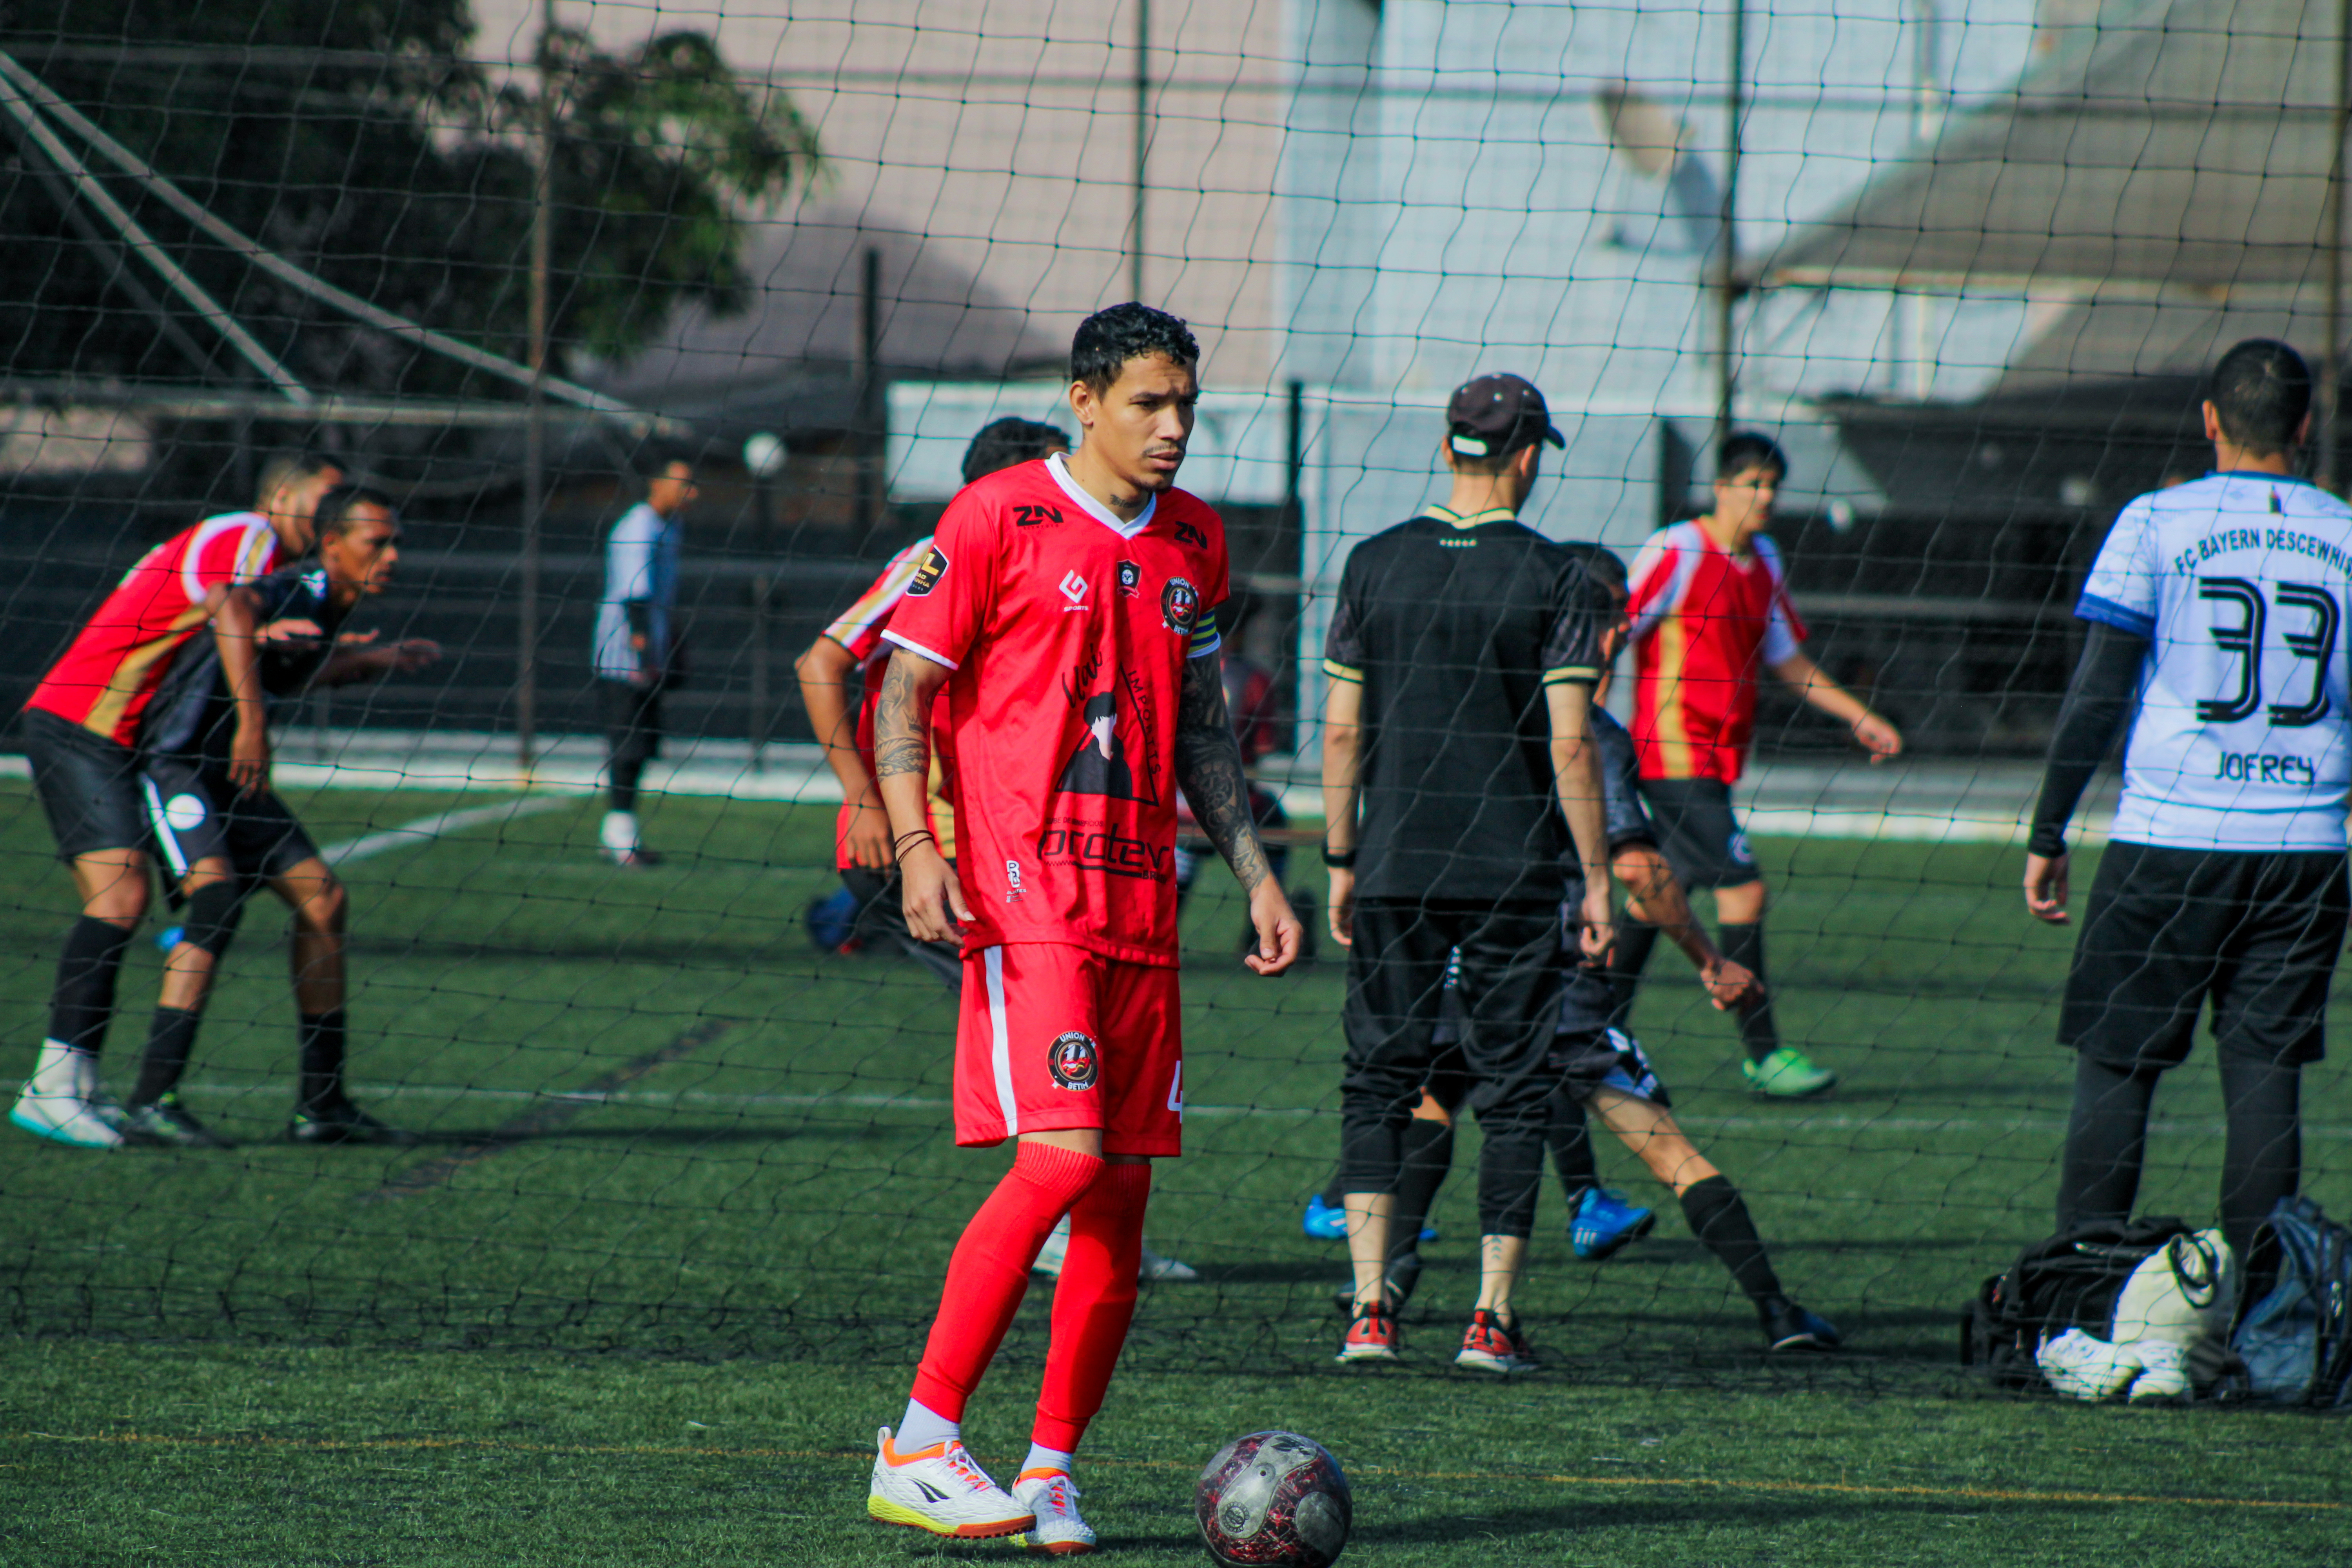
pixel 1053 1496
pixel 941 1489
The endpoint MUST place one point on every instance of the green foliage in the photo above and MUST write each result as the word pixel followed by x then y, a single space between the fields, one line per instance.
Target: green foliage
pixel 357 140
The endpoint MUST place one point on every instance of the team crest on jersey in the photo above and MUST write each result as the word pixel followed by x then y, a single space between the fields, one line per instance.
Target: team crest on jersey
pixel 1130 578
pixel 927 576
pixel 1180 605
pixel 1074 1060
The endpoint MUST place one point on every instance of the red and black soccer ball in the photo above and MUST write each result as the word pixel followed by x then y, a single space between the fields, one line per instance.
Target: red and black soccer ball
pixel 1274 1498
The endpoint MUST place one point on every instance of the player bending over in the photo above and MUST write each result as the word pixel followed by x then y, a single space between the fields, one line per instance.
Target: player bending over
pixel 1710 604
pixel 869 870
pixel 219 840
pixel 1065 607
pixel 81 736
pixel 2218 608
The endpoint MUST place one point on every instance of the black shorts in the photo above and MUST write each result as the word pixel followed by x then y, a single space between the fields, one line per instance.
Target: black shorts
pixel 2168 928
pixel 194 813
pixel 1587 1061
pixel 633 721
pixel 1702 839
pixel 88 786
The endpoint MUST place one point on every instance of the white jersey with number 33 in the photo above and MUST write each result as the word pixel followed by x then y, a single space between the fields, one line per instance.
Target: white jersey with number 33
pixel 2243 736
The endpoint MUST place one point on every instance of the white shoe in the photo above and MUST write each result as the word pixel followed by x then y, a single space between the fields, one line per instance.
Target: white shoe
pixel 943 1490
pixel 1053 1496
pixel 1154 1268
pixel 86 1121
pixel 2083 1366
pixel 2165 1371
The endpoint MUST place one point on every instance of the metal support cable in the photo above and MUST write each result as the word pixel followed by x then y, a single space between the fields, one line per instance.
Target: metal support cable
pixel 286 272
pixel 144 246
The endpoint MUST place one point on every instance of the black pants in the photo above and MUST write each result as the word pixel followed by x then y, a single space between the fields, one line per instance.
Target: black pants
pixel 1511 996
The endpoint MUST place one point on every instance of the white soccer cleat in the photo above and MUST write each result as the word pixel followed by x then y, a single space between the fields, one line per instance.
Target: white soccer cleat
pixel 1153 1270
pixel 1053 1496
pixel 1166 1270
pixel 2165 1371
pixel 82 1120
pixel 2083 1366
pixel 943 1490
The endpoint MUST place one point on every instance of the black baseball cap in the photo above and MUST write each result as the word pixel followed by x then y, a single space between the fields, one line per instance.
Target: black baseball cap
pixel 1494 416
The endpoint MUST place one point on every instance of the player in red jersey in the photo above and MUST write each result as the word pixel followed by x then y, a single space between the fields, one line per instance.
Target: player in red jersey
pixel 855 642
pixel 1065 607
pixel 1710 602
pixel 81 729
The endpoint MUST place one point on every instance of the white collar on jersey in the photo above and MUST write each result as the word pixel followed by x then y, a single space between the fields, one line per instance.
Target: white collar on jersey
pixel 1059 469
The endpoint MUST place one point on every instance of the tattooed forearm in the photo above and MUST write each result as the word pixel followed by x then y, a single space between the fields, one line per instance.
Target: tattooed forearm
pixel 901 740
pixel 1209 767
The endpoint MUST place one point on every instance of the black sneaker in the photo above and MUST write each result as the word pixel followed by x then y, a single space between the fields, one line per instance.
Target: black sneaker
pixel 165 1123
pixel 1789 1327
pixel 340 1121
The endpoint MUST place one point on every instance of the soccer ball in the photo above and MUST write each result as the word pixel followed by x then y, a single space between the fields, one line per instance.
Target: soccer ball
pixel 1274 1498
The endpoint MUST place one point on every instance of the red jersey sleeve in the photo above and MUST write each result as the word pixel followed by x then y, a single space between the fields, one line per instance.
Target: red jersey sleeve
pixel 947 598
pixel 229 557
pixel 859 628
pixel 1784 628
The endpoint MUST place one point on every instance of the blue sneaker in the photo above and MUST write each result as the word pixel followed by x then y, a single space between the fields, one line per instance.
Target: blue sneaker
pixel 832 922
pixel 1606 1224
pixel 1324 1223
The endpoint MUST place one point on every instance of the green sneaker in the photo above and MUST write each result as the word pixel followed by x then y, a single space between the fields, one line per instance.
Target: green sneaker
pixel 1788 1074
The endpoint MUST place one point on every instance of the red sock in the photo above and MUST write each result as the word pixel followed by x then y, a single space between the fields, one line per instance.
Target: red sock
pixel 989 1271
pixel 1093 1303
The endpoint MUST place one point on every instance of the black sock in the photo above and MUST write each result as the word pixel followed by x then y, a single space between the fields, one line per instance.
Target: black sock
pixel 2106 1138
pixel 324 1037
pixel 1744 945
pixel 1718 1218
pixel 1571 1147
pixel 83 999
pixel 2262 1159
pixel 169 1041
pixel 1428 1157
pixel 1626 961
pixel 622 779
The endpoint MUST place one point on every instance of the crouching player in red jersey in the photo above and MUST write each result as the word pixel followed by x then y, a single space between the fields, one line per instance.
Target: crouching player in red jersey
pixel 1065 604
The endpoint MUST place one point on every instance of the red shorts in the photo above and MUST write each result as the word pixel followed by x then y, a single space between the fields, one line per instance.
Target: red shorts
pixel 1052 1036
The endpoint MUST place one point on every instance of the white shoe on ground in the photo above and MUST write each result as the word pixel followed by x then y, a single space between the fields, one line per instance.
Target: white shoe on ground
pixel 1053 1496
pixel 940 1490
pixel 86 1119
pixel 1154 1269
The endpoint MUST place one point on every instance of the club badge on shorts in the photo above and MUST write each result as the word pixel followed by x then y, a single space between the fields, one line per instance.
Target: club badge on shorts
pixel 1073 1060
pixel 1180 605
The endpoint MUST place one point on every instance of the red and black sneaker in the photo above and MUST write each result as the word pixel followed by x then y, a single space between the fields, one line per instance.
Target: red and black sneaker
pixel 1492 1345
pixel 1372 1335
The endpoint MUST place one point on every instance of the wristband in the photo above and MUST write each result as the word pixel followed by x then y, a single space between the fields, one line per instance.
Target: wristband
pixel 899 845
pixel 1338 859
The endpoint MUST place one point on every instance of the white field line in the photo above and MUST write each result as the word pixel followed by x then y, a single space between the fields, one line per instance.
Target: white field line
pixel 424 829
pixel 713 1100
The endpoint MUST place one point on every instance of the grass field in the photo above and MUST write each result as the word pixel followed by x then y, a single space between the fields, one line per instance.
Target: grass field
pixel 661 1318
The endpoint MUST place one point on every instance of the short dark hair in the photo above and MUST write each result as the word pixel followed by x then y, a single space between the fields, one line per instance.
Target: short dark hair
pixel 292 468
pixel 2260 390
pixel 1002 443
pixel 1746 449
pixel 334 517
pixel 1106 339
pixel 1604 565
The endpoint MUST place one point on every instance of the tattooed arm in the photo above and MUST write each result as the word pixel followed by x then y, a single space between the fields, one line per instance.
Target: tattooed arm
pixel 1209 769
pixel 902 767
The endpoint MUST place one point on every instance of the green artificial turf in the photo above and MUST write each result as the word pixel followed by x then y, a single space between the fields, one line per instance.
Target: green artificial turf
pixel 744 1227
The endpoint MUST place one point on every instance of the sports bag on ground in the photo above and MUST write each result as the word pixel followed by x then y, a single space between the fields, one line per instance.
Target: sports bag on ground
pixel 2296 1341
pixel 2069 1281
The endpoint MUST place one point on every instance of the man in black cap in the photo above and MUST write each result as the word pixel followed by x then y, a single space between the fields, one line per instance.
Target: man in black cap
pixel 1462 655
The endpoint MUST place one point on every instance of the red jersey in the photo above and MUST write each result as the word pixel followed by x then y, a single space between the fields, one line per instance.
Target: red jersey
pixel 1701 620
pixel 1068 631
pixel 859 630
pixel 110 672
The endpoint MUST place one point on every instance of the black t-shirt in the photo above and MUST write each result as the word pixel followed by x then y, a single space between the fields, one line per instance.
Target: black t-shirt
pixel 194 716
pixel 1453 629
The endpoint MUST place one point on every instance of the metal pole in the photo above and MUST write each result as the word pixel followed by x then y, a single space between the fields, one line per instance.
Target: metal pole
pixel 760 588
pixel 534 463
pixel 870 435
pixel 1142 145
pixel 2331 354
pixel 1728 283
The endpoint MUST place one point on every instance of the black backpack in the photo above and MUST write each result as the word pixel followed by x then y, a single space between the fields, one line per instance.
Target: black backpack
pixel 2069 1281
pixel 2296 1341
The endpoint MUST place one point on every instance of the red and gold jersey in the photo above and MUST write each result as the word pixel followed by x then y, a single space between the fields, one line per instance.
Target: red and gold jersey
pixel 859 630
pixel 109 673
pixel 1068 631
pixel 1702 619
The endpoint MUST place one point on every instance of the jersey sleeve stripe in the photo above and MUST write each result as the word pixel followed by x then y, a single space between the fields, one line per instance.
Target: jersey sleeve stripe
pixel 1572 675
pixel 911 646
pixel 2106 612
pixel 855 628
pixel 1338 671
pixel 1205 641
